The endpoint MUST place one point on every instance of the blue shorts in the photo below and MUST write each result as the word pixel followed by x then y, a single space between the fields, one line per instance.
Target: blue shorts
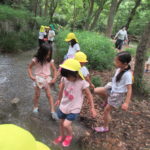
pixel 70 117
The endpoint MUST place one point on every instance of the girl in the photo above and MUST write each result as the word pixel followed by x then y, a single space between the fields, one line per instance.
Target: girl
pixel 73 47
pixel 71 98
pixel 51 35
pixel 42 62
pixel 82 58
pixel 42 33
pixel 121 89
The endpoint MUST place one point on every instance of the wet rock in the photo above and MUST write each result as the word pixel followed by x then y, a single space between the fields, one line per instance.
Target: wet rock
pixel 15 101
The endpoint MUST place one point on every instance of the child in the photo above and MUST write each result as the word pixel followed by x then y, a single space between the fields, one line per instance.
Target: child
pixel 82 58
pixel 73 47
pixel 51 35
pixel 42 33
pixel 42 62
pixel 147 65
pixel 71 98
pixel 121 89
pixel 13 137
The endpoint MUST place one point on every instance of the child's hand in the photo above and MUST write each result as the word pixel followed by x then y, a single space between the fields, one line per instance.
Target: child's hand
pixel 94 114
pixel 33 78
pixel 92 86
pixel 52 82
pixel 57 103
pixel 125 106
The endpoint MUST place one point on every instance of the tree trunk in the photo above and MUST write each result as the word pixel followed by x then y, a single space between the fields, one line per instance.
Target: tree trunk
pixel 97 14
pixel 140 59
pixel 90 12
pixel 113 9
pixel 53 6
pixel 46 8
pixel 137 4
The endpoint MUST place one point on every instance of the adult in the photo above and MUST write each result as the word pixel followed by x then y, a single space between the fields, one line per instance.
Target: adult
pixel 73 45
pixel 51 34
pixel 121 37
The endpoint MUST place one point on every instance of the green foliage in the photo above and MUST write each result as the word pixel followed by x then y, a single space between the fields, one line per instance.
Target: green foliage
pixel 96 80
pixel 13 42
pixel 132 51
pixel 98 48
pixel 8 13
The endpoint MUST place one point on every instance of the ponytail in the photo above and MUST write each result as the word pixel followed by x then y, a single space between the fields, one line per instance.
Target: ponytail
pixel 120 74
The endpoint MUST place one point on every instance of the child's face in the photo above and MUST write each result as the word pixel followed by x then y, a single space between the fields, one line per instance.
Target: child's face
pixel 119 64
pixel 82 63
pixel 71 78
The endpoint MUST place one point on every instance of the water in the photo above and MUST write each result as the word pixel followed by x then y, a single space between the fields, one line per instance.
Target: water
pixel 14 82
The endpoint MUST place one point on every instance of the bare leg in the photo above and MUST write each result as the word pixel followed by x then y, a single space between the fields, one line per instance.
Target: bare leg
pixel 50 99
pixel 36 96
pixel 102 92
pixel 107 116
pixel 68 126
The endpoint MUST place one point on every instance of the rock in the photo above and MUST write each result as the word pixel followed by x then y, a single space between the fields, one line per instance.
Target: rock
pixel 15 101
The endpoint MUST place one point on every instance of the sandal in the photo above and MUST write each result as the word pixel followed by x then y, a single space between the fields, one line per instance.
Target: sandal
pixel 58 140
pixel 101 129
pixel 67 141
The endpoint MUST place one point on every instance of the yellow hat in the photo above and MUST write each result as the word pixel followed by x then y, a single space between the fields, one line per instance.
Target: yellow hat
pixel 42 28
pixel 46 27
pixel 81 57
pixel 70 37
pixel 13 137
pixel 72 65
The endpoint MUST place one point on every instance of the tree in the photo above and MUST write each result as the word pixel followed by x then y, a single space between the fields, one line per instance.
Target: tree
pixel 97 13
pixel 133 11
pixel 89 14
pixel 140 58
pixel 113 10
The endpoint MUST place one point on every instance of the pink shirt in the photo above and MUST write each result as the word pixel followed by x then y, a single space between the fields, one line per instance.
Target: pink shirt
pixel 73 96
pixel 42 70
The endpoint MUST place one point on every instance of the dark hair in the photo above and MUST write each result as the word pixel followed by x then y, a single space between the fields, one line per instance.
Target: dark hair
pixel 73 42
pixel 123 57
pixel 67 73
pixel 43 52
pixel 123 27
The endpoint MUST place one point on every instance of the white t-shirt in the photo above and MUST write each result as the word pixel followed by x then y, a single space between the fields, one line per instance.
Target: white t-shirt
pixel 41 35
pixel 73 50
pixel 121 86
pixel 122 35
pixel 84 71
pixel 51 35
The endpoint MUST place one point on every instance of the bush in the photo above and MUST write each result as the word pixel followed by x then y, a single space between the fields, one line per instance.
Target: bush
pixel 98 48
pixel 13 42
pixel 132 51
pixel 96 80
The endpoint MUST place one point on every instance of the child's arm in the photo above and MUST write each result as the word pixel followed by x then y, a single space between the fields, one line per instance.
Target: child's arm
pixel 30 70
pixel 87 78
pixel 54 73
pixel 90 99
pixel 60 94
pixel 125 105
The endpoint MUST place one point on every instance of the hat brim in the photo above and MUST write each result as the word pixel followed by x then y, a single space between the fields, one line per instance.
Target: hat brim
pixel 68 68
pixel 67 40
pixel 41 146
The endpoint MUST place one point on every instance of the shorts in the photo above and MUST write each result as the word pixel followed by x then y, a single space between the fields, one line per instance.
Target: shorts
pixel 70 117
pixel 42 82
pixel 116 99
